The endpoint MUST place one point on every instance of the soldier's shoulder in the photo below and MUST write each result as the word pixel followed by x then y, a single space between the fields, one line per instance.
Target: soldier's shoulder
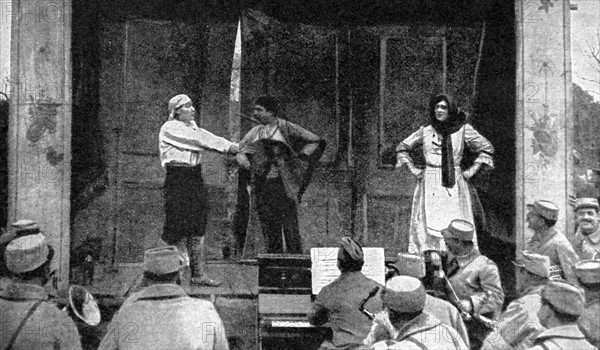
pixel 485 261
pixel 199 303
pixel 50 311
pixel 558 238
pixel 438 303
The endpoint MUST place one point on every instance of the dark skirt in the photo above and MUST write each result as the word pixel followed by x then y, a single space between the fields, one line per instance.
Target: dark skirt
pixel 186 203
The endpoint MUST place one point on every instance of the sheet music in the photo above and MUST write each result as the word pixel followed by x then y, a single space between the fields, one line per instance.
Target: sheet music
pixel 324 266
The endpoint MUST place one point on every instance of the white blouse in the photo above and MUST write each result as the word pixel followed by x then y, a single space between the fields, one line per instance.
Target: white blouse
pixel 184 143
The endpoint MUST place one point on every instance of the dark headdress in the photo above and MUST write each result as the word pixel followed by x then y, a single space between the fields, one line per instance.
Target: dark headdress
pixel 456 119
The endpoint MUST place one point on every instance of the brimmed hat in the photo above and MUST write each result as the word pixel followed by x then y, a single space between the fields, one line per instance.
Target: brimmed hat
pixel 20 228
pixel 461 230
pixel 162 260
pixel 25 224
pixel 27 253
pixel 412 265
pixel 588 271
pixel 176 102
pixel 352 249
pixel 586 203
pixel 564 297
pixel 537 264
pixel 404 294
pixel 545 209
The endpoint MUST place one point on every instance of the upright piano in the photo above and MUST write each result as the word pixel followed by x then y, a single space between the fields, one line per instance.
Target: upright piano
pixel 284 301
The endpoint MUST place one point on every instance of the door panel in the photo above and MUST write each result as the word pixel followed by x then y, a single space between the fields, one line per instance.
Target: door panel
pixel 299 65
pixel 400 68
pixel 157 64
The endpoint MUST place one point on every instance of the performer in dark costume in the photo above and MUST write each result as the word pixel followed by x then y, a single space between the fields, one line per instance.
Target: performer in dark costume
pixel 280 157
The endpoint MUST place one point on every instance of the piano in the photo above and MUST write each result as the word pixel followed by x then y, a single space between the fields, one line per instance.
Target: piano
pixel 284 301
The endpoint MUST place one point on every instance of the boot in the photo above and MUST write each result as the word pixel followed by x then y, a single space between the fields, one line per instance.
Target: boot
pixel 183 250
pixel 198 264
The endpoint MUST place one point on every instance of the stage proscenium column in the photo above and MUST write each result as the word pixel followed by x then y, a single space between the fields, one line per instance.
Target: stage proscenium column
pixel 544 111
pixel 40 121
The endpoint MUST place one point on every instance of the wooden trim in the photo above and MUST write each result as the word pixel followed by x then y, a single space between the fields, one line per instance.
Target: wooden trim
pixel 27 82
pixel 569 228
pixel 520 204
pixel 13 137
pixel 382 72
pixel 441 35
pixel 65 233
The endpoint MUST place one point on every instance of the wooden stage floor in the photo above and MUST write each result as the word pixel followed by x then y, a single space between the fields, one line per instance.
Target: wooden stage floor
pixel 238 280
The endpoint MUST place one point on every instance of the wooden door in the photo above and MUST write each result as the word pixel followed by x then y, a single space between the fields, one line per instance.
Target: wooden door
pixel 396 72
pixel 160 59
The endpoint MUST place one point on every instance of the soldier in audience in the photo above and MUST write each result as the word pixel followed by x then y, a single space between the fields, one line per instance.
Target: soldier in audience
pixel 17 229
pixel 587 236
pixel 406 324
pixel 547 240
pixel 588 273
pixel 519 325
pixel 413 265
pixel 29 319
pixel 338 303
pixel 473 281
pixel 162 315
pixel 562 305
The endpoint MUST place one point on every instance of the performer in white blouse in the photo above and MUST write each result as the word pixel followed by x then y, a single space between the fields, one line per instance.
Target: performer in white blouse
pixel 182 145
pixel 442 192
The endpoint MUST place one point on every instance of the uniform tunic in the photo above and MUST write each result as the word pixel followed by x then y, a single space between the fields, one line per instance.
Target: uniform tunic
pixel 564 337
pixel 587 246
pixel 589 322
pixel 472 276
pixel 519 324
pixel 163 316
pixel 337 305
pixel 424 332
pixel 434 205
pixel 560 251
pixel 47 328
pixel 448 314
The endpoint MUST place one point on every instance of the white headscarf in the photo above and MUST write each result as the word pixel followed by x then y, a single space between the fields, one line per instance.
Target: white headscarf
pixel 177 102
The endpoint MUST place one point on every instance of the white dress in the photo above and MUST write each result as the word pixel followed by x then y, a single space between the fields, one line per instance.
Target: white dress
pixel 434 205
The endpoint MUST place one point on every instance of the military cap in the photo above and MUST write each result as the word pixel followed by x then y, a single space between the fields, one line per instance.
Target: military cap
pixel 25 224
pixel 588 271
pixel 412 265
pixel 586 203
pixel 390 344
pixel 545 209
pixel 27 253
pixel 404 294
pixel 461 230
pixel 352 249
pixel 564 297
pixel 162 260
pixel 537 264
pixel 20 228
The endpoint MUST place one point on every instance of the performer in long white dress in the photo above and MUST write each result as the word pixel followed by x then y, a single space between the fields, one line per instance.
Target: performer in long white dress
pixel 442 192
